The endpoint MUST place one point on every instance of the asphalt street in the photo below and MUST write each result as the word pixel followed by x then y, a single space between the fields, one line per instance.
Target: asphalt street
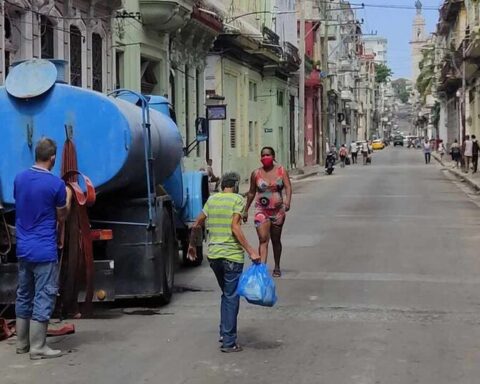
pixel 381 285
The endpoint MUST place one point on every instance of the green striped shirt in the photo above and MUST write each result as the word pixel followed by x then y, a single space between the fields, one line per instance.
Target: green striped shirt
pixel 219 210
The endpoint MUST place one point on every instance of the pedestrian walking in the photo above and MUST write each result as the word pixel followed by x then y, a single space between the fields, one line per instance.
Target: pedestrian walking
pixel 227 243
pixel 441 149
pixel 475 148
pixel 354 151
pixel 365 152
pixel 456 154
pixel 268 184
pixel 467 150
pixel 427 149
pixel 343 153
pixel 41 206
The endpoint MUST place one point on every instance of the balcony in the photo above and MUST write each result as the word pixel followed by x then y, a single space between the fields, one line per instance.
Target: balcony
pixel 449 80
pixel 270 37
pixel 472 53
pixel 450 9
pixel 448 14
pixel 165 15
pixel 291 58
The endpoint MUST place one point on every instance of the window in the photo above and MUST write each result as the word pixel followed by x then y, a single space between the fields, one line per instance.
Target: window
pixel 187 106
pixel 7 63
pixel 233 133
pixel 47 38
pixel 251 136
pixel 8 36
pixel 199 99
pixel 75 56
pixel 280 96
pixel 8 28
pixel 149 80
pixel 173 95
pixel 119 60
pixel 97 62
pixel 252 91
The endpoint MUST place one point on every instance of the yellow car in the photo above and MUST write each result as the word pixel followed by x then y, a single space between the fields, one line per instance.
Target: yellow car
pixel 377 144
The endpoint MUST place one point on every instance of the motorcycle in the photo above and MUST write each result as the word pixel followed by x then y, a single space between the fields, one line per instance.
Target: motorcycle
pixel 330 163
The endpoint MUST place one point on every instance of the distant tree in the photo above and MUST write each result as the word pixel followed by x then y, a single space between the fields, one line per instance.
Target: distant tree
pixel 382 73
pixel 400 87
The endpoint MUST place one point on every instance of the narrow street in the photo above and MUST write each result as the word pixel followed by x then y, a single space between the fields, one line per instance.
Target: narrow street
pixel 381 285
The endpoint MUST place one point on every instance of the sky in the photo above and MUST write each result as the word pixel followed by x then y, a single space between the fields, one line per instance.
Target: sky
pixel 396 25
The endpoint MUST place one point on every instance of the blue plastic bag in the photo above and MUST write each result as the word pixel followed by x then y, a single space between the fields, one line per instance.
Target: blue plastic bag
pixel 257 286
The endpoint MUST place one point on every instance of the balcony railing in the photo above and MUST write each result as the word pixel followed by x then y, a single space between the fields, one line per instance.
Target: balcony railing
pixel 270 37
pixel 291 53
pixel 165 15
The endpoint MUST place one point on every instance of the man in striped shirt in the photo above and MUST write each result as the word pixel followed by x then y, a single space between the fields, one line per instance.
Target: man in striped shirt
pixel 226 247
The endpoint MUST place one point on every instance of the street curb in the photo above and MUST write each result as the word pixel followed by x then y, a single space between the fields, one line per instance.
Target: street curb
pixel 305 175
pixel 460 175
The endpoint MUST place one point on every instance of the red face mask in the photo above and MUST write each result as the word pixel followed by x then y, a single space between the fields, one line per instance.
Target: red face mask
pixel 267 161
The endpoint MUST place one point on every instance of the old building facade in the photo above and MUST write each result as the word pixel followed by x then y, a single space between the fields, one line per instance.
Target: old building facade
pixel 78 32
pixel 448 83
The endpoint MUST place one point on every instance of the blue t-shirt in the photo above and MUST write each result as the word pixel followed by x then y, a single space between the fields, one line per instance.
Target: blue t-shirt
pixel 37 194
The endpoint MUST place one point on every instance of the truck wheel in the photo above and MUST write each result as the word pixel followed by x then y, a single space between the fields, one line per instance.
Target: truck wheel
pixel 189 263
pixel 169 255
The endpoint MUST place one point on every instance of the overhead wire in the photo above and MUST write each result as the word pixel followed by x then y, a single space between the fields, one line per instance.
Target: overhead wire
pixel 386 6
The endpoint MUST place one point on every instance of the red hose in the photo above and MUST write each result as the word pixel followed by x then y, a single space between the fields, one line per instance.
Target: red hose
pixel 77 265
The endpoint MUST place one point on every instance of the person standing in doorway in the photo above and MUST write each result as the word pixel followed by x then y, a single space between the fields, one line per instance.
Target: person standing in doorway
pixel 475 148
pixel 467 152
pixel 427 151
pixel 268 184
pixel 354 151
pixel 42 202
pixel 222 214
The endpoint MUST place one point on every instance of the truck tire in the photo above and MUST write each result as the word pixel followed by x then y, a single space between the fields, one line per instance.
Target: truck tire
pixel 169 255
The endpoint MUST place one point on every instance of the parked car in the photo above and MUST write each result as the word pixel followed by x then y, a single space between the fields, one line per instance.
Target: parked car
pixel 398 140
pixel 378 144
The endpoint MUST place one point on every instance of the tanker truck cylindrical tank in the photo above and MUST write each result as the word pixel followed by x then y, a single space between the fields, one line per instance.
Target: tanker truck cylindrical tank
pixel 107 132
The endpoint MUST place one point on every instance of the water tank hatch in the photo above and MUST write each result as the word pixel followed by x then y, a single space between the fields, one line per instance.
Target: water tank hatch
pixel 31 78
pixel 61 66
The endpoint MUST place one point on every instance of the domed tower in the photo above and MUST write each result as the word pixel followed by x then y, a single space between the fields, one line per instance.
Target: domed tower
pixel 419 38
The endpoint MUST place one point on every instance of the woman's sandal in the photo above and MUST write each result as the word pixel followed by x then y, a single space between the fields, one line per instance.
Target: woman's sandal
pixel 277 273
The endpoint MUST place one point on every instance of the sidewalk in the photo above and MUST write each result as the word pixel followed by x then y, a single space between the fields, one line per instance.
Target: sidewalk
pixel 472 179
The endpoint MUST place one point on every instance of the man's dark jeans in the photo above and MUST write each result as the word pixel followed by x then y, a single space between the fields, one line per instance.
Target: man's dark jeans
pixel 227 274
pixel 354 157
pixel 475 163
pixel 427 157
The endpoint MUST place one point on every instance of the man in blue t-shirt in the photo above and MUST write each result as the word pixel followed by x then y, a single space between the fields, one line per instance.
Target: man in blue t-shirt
pixel 41 205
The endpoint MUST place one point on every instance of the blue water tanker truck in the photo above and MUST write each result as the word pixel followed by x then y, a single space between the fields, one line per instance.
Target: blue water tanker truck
pixel 131 151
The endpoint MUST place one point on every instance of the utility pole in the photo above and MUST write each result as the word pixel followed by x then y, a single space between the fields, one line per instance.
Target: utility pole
pixel 301 96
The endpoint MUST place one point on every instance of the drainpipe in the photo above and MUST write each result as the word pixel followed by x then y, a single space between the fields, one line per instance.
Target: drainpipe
pixel 301 95
pixel 464 96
